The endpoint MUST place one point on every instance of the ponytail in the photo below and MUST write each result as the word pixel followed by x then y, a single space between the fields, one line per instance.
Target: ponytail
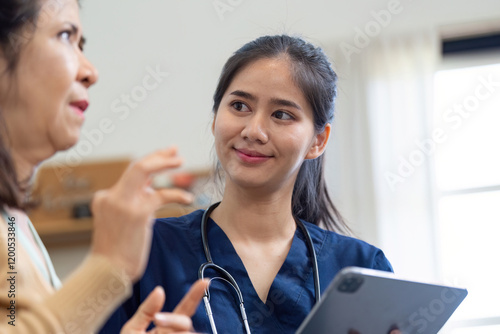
pixel 311 200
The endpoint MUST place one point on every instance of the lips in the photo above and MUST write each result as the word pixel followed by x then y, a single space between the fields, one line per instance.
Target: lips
pixel 79 107
pixel 251 156
pixel 82 105
pixel 252 153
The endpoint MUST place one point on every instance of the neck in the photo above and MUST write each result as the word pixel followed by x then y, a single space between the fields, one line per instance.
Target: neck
pixel 255 217
pixel 25 165
pixel 26 152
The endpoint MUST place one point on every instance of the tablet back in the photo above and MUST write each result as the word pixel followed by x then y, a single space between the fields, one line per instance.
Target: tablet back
pixel 374 302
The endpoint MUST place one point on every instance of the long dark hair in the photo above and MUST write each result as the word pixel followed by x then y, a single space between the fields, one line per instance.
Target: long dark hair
pixel 314 75
pixel 15 17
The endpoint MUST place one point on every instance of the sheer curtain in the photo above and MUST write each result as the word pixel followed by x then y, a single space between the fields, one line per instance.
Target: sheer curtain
pixel 382 147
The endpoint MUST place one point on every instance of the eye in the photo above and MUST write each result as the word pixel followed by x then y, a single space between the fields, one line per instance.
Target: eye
pixel 283 115
pixel 66 35
pixel 81 43
pixel 240 106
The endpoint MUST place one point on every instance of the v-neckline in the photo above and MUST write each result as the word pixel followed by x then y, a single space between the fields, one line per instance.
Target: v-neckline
pixel 34 247
pixel 228 253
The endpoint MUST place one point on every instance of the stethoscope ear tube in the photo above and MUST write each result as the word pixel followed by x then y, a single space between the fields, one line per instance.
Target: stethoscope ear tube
pixel 203 230
pixel 210 315
pixel 244 317
pixel 225 276
pixel 314 260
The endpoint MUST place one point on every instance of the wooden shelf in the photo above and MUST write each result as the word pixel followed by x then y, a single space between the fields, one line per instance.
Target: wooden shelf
pixel 64 227
pixel 65 232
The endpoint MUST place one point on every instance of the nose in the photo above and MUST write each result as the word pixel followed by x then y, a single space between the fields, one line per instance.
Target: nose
pixel 256 129
pixel 87 73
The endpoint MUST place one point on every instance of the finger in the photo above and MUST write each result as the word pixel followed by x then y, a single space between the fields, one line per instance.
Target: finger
pixel 394 330
pixel 172 321
pixel 191 300
pixel 140 171
pixel 153 160
pixel 147 310
pixel 164 196
pixel 157 330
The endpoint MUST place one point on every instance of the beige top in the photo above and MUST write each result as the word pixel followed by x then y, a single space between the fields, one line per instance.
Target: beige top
pixel 28 300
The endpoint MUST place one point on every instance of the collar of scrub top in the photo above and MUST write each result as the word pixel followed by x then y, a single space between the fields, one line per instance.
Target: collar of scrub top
pixel 229 279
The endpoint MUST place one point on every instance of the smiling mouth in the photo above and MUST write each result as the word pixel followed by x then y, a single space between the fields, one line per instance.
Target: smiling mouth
pixel 251 157
pixel 252 153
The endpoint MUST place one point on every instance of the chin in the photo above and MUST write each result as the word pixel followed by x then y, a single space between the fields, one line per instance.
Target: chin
pixel 66 143
pixel 249 182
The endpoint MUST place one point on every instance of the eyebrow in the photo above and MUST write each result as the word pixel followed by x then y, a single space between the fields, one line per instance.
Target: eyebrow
pixel 274 100
pixel 74 28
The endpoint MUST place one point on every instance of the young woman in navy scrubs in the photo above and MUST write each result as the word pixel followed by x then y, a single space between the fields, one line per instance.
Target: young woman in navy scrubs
pixel 273 109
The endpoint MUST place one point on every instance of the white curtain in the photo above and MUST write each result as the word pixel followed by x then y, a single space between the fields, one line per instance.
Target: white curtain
pixel 382 148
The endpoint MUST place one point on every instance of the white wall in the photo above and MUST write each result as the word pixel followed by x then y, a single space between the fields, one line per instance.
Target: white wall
pixel 190 40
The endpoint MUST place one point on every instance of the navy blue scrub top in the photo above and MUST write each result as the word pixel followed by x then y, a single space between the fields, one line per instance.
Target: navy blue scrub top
pixel 177 253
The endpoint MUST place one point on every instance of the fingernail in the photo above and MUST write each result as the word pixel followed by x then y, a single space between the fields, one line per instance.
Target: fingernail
pixel 162 318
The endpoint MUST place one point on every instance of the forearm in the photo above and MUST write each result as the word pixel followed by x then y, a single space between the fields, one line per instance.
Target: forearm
pixel 84 302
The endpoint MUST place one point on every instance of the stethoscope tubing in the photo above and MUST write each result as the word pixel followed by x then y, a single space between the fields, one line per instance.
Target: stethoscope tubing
pixel 229 278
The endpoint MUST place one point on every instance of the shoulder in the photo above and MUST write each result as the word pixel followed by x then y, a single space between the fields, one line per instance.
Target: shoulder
pixel 346 250
pixel 173 234
pixel 180 224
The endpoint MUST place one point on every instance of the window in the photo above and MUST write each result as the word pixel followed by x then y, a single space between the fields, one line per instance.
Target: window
pixel 467 180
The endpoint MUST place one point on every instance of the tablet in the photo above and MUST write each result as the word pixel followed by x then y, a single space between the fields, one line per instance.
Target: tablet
pixel 374 302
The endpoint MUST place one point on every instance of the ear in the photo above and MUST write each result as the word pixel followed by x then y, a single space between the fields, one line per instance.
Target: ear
pixel 213 122
pixel 319 143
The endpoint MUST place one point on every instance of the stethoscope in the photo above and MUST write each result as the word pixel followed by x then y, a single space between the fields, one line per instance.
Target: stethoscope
pixel 229 279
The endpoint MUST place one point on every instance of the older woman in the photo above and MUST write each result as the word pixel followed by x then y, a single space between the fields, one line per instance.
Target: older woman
pixel 44 82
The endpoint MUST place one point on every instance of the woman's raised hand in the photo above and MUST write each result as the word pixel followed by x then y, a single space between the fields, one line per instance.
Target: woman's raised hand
pixel 179 321
pixel 123 214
